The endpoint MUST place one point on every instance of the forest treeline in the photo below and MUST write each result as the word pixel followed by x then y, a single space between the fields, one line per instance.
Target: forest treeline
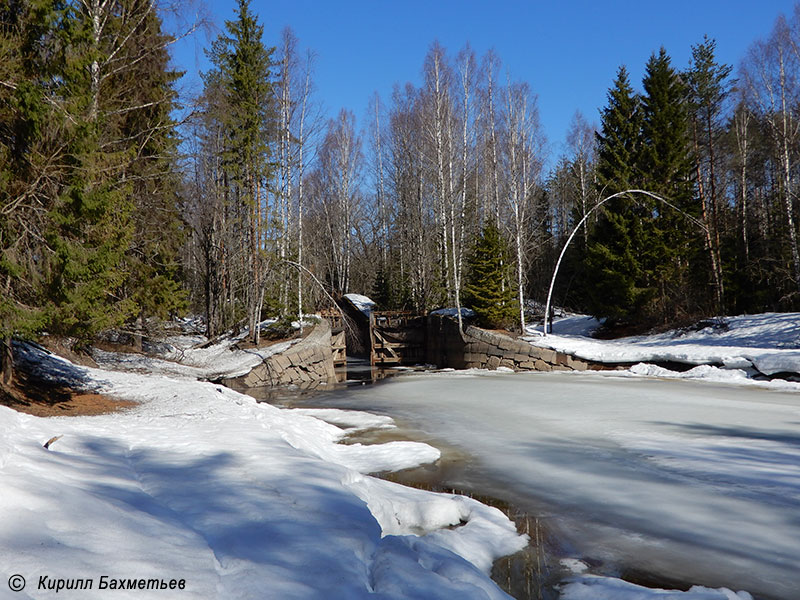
pixel 115 210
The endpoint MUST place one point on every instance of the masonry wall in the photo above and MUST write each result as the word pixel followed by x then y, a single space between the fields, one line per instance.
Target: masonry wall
pixel 309 360
pixel 482 349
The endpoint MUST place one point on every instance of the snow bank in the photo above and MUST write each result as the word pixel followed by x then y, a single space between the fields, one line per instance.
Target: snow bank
pixel 591 587
pixel 237 499
pixel 768 342
pixel 187 362
pixel 453 312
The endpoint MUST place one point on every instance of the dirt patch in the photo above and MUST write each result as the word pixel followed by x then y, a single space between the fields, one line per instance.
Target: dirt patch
pixel 44 399
pixel 77 405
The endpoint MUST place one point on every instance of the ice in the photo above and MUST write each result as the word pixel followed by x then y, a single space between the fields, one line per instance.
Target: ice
pixel 700 482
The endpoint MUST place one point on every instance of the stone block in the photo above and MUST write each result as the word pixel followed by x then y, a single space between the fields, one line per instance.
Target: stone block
pixel 577 364
pixel 281 361
pixel 544 354
pixel 506 343
pixel 493 362
pixel 474 357
pixel 507 362
pixel 482 347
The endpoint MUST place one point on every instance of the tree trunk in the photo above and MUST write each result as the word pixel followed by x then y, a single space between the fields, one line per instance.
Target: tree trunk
pixel 706 222
pixel 6 362
pixel 787 176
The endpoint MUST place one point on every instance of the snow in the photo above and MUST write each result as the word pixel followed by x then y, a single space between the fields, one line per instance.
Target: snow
pixel 239 499
pixel 453 312
pixel 590 587
pixel 362 303
pixel 640 468
pixel 768 342
pixel 185 359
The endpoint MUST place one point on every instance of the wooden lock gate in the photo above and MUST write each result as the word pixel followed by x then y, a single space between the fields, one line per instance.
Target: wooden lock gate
pixel 396 338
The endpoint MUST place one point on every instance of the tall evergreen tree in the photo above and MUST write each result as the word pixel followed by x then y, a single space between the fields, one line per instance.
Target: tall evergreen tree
pixel 242 72
pixel 615 273
pixel 75 90
pixel 619 141
pixel 488 289
pixel 151 262
pixel 29 130
pixel 667 171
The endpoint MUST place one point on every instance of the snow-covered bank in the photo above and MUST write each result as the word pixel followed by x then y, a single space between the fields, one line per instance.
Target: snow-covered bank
pixel 591 587
pixel 768 343
pixel 238 499
pixel 185 357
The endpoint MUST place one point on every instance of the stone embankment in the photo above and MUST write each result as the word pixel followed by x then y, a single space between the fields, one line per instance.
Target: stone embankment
pixel 482 349
pixel 307 361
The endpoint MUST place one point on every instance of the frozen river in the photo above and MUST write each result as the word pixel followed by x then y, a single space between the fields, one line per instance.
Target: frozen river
pixel 690 481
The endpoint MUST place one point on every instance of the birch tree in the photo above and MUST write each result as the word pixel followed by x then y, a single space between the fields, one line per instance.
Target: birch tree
pixel 769 74
pixel 523 166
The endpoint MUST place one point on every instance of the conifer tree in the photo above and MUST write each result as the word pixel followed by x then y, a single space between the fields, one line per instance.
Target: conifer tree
pixel 28 127
pixel 614 272
pixel 619 142
pixel 83 120
pixel 707 81
pixel 488 289
pixel 151 262
pixel 667 171
pixel 242 74
pixel 640 250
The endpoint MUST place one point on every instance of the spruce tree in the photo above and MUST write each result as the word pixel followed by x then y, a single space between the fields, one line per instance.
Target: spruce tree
pixel 151 261
pixel 641 248
pixel 77 151
pixel 708 84
pixel 667 164
pixel 615 286
pixel 28 128
pixel 488 289
pixel 242 74
pixel 619 141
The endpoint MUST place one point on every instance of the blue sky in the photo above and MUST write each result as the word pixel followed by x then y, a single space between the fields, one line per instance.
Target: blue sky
pixel 568 51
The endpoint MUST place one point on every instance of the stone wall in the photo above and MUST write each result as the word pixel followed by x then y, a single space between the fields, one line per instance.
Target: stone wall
pixel 309 360
pixel 482 349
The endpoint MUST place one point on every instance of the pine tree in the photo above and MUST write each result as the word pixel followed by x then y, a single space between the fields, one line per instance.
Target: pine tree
pixel 488 289
pixel 707 81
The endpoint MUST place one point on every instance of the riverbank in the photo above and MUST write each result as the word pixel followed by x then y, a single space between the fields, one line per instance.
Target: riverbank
pixel 202 485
